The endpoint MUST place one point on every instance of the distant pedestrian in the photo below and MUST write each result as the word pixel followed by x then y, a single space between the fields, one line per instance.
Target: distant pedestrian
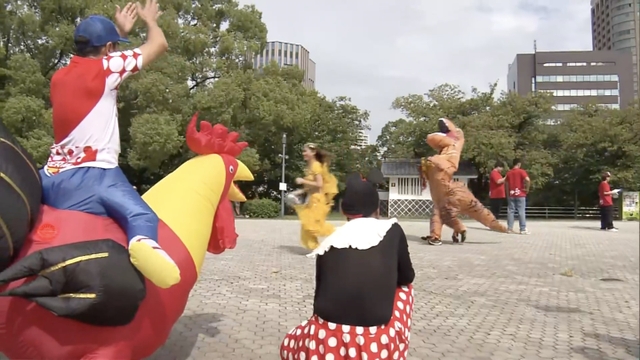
pixel 517 186
pixel 236 207
pixel 606 203
pixel 497 193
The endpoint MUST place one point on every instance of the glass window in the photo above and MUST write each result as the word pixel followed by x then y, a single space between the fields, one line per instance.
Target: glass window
pixel 581 92
pixel 607 92
pixel 545 79
pixel 600 92
pixel 573 78
pixel 615 92
pixel 593 78
pixel 574 93
pixel 580 78
pixel 538 79
pixel 555 78
pixel 614 77
pixel 615 106
pixel 600 78
pixel 607 77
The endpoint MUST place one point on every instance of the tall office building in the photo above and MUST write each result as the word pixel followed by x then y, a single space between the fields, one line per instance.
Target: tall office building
pixel 287 54
pixel 575 77
pixel 363 139
pixel 615 25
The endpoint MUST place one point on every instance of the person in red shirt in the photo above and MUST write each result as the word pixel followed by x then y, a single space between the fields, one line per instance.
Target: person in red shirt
pixel 606 203
pixel 517 185
pixel 497 193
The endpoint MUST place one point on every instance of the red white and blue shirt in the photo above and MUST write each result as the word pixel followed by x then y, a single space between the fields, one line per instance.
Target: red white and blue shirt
pixel 85 113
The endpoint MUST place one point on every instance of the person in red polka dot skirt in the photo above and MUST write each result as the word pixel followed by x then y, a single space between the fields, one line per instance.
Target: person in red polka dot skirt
pixel 364 298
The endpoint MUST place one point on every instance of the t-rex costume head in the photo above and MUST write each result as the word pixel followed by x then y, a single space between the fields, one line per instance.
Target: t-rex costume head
pixel 448 143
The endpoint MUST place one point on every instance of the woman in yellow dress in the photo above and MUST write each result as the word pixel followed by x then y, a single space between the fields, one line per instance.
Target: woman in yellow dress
pixel 320 187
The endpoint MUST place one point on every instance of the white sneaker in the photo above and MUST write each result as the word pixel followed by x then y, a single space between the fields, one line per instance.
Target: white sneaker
pixel 613 230
pixel 525 232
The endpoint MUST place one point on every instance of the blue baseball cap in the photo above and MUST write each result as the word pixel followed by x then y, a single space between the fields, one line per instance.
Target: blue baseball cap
pixel 98 30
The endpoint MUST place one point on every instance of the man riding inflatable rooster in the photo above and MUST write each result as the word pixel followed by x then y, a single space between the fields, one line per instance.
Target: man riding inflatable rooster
pixel 76 238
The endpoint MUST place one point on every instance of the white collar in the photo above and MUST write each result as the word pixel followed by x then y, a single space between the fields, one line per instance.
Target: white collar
pixel 361 234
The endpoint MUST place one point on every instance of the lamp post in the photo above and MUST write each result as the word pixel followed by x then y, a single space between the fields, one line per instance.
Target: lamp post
pixel 283 185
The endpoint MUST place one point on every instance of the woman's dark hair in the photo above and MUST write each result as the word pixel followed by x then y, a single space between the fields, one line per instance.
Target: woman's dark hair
pixel 498 164
pixel 322 156
pixel 84 50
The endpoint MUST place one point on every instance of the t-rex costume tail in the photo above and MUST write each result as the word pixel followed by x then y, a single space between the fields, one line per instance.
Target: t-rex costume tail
pixel 451 198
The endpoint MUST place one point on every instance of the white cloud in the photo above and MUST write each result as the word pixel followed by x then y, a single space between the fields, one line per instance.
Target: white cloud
pixel 374 53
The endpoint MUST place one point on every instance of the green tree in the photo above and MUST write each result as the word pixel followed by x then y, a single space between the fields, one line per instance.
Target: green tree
pixel 564 161
pixel 207 70
pixel 591 141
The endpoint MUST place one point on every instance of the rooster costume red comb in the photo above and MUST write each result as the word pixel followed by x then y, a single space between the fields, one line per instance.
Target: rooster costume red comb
pixel 213 139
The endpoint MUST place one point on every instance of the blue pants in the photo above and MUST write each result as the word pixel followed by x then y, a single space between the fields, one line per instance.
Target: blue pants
pixel 518 204
pixel 104 192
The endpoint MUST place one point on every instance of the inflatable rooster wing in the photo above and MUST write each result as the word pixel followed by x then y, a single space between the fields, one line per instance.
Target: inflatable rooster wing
pixel 451 198
pixel 71 291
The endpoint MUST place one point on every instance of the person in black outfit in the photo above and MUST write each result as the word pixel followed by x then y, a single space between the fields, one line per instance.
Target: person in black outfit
pixel 364 298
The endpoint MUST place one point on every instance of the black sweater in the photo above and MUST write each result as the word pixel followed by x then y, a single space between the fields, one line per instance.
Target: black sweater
pixel 357 287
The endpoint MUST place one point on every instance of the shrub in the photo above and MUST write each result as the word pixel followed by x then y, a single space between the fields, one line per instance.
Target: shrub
pixel 262 208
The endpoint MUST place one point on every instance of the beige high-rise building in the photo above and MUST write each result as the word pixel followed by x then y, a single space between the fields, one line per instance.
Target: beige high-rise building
pixel 615 25
pixel 288 54
pixel 362 141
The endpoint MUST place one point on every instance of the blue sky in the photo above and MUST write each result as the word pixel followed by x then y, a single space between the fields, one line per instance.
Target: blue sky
pixel 375 51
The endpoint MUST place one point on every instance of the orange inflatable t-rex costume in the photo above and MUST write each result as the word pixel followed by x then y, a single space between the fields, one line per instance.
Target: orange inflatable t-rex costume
pixel 450 198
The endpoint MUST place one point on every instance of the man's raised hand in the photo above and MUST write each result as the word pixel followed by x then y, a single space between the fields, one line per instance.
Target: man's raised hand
pixel 125 18
pixel 150 11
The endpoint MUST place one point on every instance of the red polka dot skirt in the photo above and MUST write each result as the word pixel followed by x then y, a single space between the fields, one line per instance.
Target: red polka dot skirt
pixel 317 339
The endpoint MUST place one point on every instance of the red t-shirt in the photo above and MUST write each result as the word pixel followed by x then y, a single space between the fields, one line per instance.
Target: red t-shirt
pixel 85 111
pixel 496 191
pixel 605 200
pixel 515 180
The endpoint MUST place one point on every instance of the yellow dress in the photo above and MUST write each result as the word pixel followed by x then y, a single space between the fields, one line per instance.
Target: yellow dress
pixel 313 214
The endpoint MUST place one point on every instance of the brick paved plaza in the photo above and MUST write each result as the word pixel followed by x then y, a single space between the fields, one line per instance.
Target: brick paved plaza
pixel 496 297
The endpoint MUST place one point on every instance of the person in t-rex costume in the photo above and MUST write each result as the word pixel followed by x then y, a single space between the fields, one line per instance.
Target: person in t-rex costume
pixel 451 198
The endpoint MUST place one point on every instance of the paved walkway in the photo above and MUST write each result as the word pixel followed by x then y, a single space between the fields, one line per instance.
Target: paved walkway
pixel 568 291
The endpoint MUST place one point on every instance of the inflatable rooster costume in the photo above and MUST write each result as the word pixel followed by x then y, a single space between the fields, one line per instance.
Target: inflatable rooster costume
pixel 451 198
pixel 68 289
